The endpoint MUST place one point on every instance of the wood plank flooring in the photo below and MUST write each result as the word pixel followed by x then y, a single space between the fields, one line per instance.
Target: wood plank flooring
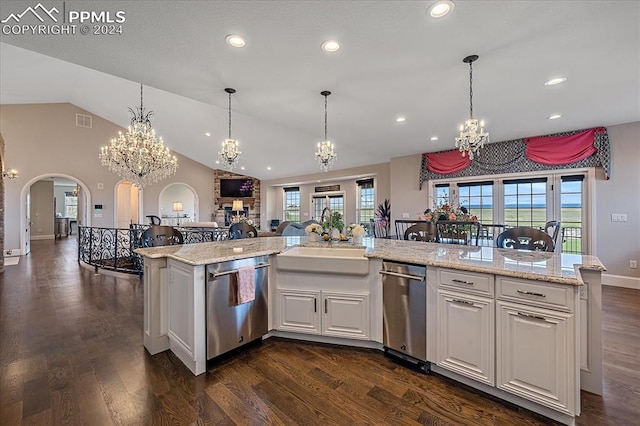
pixel 71 353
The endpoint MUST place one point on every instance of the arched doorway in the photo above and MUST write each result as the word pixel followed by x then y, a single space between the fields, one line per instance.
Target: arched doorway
pixel 178 203
pixel 58 206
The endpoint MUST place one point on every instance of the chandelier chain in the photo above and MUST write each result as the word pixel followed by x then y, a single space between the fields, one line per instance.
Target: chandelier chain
pixel 325 117
pixel 471 89
pixel 229 115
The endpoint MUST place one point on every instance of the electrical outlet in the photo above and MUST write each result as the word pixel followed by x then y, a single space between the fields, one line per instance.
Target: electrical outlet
pixel 633 264
pixel 618 217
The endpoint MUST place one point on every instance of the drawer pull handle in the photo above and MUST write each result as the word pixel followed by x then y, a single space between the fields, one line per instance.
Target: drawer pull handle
pixel 531 293
pixel 462 281
pixel 532 316
pixel 466 302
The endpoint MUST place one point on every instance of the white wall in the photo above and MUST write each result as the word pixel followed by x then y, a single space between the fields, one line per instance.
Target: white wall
pixel 42 139
pixel 59 194
pixel 42 212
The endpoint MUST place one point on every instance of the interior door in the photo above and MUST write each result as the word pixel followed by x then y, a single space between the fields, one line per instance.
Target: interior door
pixel 123 205
pixel 27 237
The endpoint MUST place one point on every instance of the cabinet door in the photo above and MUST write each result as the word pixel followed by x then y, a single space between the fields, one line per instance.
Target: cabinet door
pixel 466 335
pixel 345 315
pixel 299 311
pixel 536 355
pixel 180 317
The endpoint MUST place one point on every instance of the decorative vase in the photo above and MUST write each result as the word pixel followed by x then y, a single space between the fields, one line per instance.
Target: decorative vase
pixel 357 239
pixel 313 237
pixel 335 234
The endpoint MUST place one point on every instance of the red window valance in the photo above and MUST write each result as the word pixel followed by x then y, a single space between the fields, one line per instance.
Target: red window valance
pixel 556 150
pixel 446 162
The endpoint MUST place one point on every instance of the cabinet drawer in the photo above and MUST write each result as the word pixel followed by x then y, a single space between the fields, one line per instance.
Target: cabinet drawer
pixel 472 282
pixel 536 293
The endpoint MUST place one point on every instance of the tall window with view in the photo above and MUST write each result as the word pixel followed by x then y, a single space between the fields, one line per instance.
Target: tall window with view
pixel 366 202
pixel 477 197
pixel 292 204
pixel 571 211
pixel 525 202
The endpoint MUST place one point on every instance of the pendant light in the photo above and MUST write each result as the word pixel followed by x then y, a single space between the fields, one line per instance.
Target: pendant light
pixel 229 153
pixel 326 154
pixel 472 135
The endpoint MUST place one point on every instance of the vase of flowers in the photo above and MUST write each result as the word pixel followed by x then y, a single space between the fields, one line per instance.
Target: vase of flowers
pixel 355 232
pixel 383 216
pixel 313 232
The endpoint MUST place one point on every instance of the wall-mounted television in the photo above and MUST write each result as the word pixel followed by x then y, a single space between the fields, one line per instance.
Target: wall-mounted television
pixel 236 188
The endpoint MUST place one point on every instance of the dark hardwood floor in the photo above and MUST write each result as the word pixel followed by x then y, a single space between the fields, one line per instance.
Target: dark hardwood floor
pixel 71 353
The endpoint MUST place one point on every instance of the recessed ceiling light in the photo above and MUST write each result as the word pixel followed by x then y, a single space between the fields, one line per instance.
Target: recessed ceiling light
pixel 241 167
pixel 235 40
pixel 217 162
pixel 401 119
pixel 331 45
pixel 207 134
pixel 441 8
pixel 555 81
pixel 268 167
pixel 434 138
pixel 554 116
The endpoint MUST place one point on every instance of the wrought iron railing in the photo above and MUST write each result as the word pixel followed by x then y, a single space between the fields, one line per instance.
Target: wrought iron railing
pixel 113 249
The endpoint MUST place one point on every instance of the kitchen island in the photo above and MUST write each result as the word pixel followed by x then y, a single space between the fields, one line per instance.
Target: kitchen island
pixel 568 316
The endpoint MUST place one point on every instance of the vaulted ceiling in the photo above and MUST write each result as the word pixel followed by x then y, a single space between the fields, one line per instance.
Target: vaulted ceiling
pixel 395 60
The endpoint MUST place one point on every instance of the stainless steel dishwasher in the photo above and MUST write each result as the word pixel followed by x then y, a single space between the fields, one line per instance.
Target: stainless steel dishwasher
pixel 230 325
pixel 404 300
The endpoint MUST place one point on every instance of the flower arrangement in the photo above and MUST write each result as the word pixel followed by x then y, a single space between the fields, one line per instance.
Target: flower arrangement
pixel 355 230
pixel 446 211
pixel 383 213
pixel 314 228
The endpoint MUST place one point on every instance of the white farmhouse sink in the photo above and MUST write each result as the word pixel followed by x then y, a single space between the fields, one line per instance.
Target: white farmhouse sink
pixel 327 260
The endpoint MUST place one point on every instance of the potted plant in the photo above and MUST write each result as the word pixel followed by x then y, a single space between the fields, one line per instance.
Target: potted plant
pixel 383 214
pixel 335 223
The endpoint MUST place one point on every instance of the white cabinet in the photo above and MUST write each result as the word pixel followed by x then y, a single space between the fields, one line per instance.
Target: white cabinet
pixel 345 315
pixel 465 335
pixel 299 311
pixel 536 355
pixel 328 313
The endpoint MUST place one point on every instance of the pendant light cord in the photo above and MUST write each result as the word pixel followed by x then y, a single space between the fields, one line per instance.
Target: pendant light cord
pixel 229 115
pixel 470 89
pixel 325 117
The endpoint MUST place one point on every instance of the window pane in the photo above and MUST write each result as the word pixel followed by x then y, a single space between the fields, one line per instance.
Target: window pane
pixel 292 205
pixel 525 203
pixel 571 216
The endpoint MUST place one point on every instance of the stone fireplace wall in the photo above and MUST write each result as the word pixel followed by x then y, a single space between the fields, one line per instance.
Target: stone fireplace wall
pixel 220 203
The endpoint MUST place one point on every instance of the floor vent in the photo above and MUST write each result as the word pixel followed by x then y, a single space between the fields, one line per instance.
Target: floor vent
pixel 84 121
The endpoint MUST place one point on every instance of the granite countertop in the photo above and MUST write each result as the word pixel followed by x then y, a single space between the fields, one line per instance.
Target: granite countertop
pixel 542 266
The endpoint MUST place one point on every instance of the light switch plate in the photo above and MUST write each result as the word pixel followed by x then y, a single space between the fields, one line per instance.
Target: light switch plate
pixel 405 215
pixel 618 217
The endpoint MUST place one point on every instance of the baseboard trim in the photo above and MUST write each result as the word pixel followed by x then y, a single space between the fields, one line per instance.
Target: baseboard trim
pixel 621 281
pixel 43 237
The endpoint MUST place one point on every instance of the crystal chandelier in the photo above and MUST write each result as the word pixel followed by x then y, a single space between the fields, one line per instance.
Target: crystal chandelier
pixel 326 154
pixel 229 153
pixel 137 156
pixel 472 135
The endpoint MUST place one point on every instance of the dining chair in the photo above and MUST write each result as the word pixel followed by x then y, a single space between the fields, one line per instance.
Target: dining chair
pixel 525 238
pixel 157 235
pixel 458 232
pixel 380 228
pixel 554 229
pixel 241 230
pixel 488 233
pixel 422 231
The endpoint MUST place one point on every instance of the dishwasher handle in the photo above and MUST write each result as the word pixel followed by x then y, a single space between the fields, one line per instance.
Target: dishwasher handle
pixel 407 276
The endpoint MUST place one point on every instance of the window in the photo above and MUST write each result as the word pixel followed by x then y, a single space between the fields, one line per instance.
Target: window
pixel 292 204
pixel 442 194
pixel 571 213
pixel 477 197
pixel 525 202
pixel 70 205
pixel 366 202
pixel 334 202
